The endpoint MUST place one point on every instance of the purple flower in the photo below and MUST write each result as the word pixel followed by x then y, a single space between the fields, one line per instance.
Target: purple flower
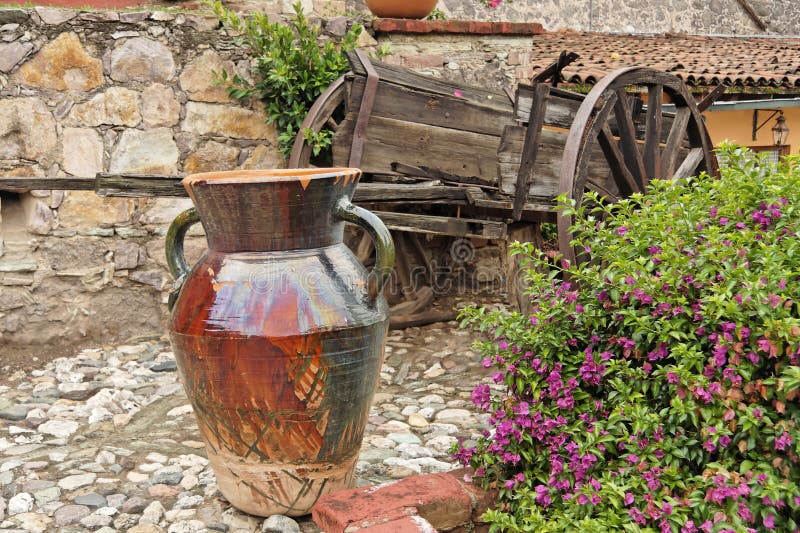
pixel 744 512
pixel 622 230
pixel 480 396
pixel 709 446
pixel 637 516
pixel 769 521
pixel 542 495
pixel 628 498
pixel 783 442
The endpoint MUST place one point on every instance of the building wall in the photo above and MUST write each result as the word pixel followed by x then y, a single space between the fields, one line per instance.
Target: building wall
pixel 633 16
pixel 737 127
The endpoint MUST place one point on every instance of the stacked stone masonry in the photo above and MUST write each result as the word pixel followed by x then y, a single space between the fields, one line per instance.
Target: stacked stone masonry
pixel 89 92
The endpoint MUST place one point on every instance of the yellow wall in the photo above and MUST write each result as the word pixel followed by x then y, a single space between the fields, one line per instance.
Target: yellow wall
pixel 737 126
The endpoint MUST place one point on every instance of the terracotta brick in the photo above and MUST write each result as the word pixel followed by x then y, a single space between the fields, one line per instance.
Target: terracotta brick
pixel 407 524
pixel 478 27
pixel 439 498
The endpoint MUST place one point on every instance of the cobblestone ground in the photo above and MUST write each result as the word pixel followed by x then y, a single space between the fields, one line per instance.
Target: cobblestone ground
pixel 106 441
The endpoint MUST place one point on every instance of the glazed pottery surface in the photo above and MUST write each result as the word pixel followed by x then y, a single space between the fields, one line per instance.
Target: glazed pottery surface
pixel 278 332
pixel 404 9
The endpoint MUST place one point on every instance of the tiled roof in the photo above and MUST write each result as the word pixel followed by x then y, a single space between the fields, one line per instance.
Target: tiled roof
pixel 748 62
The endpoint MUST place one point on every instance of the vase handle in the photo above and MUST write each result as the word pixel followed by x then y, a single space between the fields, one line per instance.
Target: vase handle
pixel 384 247
pixel 176 259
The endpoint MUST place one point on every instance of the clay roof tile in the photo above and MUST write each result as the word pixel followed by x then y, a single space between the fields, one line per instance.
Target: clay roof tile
pixel 699 60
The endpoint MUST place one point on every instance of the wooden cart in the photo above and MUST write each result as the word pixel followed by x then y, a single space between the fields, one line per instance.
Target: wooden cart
pixel 455 161
pixel 472 162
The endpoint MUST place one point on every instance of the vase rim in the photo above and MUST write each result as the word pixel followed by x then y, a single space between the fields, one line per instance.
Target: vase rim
pixel 303 175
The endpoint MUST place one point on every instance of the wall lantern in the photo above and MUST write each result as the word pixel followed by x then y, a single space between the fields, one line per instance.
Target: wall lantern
pixel 780 131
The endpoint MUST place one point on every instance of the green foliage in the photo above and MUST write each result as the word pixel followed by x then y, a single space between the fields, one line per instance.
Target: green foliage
pixel 656 387
pixel 383 50
pixel 293 66
pixel 436 14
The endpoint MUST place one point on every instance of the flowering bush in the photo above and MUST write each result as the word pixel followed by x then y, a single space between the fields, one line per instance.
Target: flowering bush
pixel 657 389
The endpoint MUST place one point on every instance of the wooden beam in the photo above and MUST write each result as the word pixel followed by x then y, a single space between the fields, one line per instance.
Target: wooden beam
pixel 530 148
pixel 456 152
pixel 29 183
pixel 141 185
pixel 495 99
pixel 437 225
pixel 153 185
pixel 478 198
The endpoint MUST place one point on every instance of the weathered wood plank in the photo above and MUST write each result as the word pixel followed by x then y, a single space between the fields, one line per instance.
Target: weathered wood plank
pixel 29 183
pixel 530 148
pixel 382 192
pixel 546 168
pixel 390 141
pixel 563 105
pixel 454 227
pixel 479 198
pixel 143 185
pixel 437 175
pixel 444 110
pixel 402 76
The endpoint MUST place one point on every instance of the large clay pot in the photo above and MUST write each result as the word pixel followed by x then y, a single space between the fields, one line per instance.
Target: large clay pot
pixel 278 332
pixel 402 9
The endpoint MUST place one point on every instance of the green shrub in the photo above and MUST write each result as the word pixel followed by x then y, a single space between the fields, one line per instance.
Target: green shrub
pixel 292 68
pixel 657 389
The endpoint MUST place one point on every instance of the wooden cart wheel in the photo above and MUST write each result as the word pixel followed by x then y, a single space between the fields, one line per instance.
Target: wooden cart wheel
pixel 326 113
pixel 604 153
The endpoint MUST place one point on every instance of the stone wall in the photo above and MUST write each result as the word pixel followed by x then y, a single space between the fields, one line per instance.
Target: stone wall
pixel 82 93
pixel 632 16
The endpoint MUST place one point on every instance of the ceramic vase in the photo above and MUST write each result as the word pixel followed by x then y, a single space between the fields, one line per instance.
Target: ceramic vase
pixel 404 9
pixel 278 331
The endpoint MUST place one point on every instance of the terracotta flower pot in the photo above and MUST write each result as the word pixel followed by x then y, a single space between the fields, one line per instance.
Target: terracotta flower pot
pixel 402 9
pixel 278 332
